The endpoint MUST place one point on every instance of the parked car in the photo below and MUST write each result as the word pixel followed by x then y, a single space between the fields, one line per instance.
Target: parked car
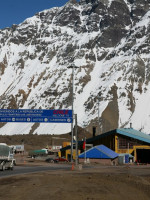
pixel 60 159
pixel 49 160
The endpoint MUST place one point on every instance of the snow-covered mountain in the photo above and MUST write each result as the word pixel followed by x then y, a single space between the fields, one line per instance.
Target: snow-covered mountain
pixel 109 42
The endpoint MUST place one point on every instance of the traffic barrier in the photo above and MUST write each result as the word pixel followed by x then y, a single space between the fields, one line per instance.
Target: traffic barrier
pixel 72 168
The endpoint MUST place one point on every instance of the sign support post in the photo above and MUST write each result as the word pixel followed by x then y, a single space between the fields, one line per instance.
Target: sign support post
pixel 76 134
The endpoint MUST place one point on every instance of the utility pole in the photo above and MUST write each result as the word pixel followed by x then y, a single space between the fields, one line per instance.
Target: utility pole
pixel 98 120
pixel 73 67
pixel 72 113
pixel 76 134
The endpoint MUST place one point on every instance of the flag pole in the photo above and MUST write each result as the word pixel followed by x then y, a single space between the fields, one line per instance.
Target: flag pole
pixel 85 150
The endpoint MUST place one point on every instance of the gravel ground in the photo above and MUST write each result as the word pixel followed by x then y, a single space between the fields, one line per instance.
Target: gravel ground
pixel 101 182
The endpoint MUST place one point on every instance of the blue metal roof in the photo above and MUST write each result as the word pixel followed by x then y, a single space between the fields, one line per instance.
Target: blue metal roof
pixel 107 151
pixel 130 132
pixel 100 151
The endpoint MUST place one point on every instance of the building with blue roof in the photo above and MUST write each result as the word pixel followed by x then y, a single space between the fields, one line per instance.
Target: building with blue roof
pixel 122 141
pixel 100 154
pixel 125 140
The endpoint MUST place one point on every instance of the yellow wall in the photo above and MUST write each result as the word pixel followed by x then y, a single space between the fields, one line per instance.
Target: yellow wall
pixel 66 144
pixel 59 154
pixel 130 151
pixel 117 150
pixel 69 152
pixel 116 143
pixel 74 153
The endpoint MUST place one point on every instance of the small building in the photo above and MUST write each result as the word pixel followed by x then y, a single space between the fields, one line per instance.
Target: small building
pixel 122 141
pixel 125 140
pixel 125 158
pixel 18 148
pixel 99 154
pixel 66 151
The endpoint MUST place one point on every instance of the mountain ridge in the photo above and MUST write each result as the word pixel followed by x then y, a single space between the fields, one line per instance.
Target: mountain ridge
pixel 109 43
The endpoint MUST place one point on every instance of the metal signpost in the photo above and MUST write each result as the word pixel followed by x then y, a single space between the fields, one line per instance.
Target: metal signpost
pixel 73 67
pixel 76 134
pixel 39 116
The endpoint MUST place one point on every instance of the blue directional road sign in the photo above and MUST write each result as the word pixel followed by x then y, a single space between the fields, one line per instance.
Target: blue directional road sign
pixel 39 116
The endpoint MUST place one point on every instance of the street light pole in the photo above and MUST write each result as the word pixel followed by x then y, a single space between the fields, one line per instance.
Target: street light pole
pixel 72 113
pixel 76 134
pixel 98 120
pixel 98 116
pixel 73 67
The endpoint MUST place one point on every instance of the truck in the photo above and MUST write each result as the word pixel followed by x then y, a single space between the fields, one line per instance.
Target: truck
pixel 7 160
pixel 38 152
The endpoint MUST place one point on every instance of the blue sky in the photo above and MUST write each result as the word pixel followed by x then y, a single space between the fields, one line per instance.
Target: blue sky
pixel 16 11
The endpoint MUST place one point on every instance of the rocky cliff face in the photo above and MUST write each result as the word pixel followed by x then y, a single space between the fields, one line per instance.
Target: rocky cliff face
pixel 109 43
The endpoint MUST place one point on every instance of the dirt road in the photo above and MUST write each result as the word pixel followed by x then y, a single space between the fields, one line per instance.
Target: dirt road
pixel 100 183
